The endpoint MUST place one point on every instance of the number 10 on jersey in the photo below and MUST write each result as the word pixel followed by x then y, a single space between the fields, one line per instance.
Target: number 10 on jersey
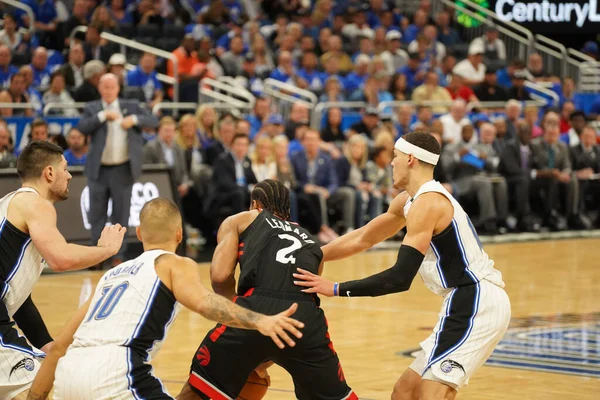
pixel 109 298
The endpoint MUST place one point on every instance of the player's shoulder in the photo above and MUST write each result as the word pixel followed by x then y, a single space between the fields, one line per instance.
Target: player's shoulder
pixel 240 221
pixel 431 204
pixel 29 204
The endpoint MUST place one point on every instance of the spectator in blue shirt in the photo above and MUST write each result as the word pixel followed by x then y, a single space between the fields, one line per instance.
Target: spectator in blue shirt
pixel 313 79
pixel 46 24
pixel 261 111
pixel 77 151
pixel 144 76
pixel 6 69
pixel 41 71
pixel 413 71
pixel 504 75
pixel 413 30
pixel 356 79
pixel 285 71
pixel 447 35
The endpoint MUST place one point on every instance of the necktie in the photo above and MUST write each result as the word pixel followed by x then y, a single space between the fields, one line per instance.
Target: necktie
pixel 551 155
pixel 524 158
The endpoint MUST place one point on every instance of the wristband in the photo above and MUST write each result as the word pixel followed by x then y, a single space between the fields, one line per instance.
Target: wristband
pixel 336 289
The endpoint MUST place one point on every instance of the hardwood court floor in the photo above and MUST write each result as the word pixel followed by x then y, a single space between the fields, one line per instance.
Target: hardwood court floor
pixel 542 279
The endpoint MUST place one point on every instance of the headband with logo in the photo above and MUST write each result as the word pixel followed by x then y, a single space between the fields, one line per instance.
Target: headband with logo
pixel 421 154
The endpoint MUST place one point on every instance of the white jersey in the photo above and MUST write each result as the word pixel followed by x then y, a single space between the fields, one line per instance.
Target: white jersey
pixel 20 262
pixel 455 257
pixel 131 307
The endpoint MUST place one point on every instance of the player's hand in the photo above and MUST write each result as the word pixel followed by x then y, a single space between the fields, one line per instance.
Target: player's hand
pixel 275 327
pixel 111 115
pixel 313 283
pixel 128 122
pixel 112 238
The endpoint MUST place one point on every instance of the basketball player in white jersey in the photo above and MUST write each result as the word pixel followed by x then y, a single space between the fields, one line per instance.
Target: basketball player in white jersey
pixel 442 245
pixel 29 240
pixel 124 324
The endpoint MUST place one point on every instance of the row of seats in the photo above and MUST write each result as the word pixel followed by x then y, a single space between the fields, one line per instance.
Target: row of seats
pixel 151 30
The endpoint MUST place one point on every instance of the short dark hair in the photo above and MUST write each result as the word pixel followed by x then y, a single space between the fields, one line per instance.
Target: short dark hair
pixel 377 151
pixel 273 196
pixel 425 141
pixel 38 122
pixel 56 74
pixel 36 156
pixel 240 136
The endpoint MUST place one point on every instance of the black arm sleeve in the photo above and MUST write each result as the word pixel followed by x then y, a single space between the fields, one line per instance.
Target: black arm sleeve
pixel 30 321
pixel 393 280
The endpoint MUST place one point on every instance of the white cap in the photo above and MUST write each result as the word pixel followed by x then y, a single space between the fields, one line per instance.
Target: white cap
pixel 117 59
pixel 392 35
pixel 476 48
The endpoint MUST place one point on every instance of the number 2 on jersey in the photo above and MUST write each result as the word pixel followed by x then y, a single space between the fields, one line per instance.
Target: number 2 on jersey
pixel 284 255
pixel 108 301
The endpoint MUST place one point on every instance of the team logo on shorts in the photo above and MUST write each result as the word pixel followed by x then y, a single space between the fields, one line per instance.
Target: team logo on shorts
pixel 26 363
pixel 203 356
pixel 448 365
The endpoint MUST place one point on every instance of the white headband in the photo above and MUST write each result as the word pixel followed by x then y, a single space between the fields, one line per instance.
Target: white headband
pixel 422 154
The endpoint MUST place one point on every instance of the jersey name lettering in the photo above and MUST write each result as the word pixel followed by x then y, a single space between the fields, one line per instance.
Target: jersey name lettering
pixel 285 226
pixel 131 269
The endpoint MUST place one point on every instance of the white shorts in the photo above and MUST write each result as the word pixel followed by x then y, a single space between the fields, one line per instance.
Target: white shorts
pixel 106 372
pixel 472 322
pixel 19 363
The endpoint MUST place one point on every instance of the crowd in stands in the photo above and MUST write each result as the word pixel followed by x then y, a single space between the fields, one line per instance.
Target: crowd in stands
pixel 515 165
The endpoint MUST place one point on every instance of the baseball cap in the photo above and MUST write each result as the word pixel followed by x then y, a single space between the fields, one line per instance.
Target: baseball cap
pixel 117 59
pixel 393 35
pixel 476 49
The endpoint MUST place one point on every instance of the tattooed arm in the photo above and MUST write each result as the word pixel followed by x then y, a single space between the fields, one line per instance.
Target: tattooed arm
pixel 44 380
pixel 181 276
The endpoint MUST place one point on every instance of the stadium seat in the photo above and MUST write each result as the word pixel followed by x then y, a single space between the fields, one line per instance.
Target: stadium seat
pixel 126 30
pixel 149 30
pixel 173 32
pixel 460 50
pixel 148 41
pixel 19 59
pixel 168 43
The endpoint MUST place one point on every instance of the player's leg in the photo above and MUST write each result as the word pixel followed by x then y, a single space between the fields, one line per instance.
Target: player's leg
pixel 407 386
pixel 223 362
pixel 314 364
pixel 22 395
pixel 433 390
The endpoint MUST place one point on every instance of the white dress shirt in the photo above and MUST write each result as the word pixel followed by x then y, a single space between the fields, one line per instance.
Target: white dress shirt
pixel 116 149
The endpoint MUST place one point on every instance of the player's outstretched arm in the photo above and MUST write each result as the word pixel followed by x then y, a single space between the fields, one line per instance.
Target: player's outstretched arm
pixel 44 380
pixel 184 281
pixel 420 227
pixel 40 218
pixel 377 230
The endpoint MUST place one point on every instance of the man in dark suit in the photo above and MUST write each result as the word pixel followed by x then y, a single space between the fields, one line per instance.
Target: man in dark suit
pixel 223 145
pixel 233 175
pixel 164 150
pixel 73 70
pixel 88 90
pixel 516 160
pixel 114 159
pixel 553 173
pixel 585 158
pixel 316 176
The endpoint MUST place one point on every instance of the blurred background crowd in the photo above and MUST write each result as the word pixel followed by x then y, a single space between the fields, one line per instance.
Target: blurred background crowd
pixel 378 68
